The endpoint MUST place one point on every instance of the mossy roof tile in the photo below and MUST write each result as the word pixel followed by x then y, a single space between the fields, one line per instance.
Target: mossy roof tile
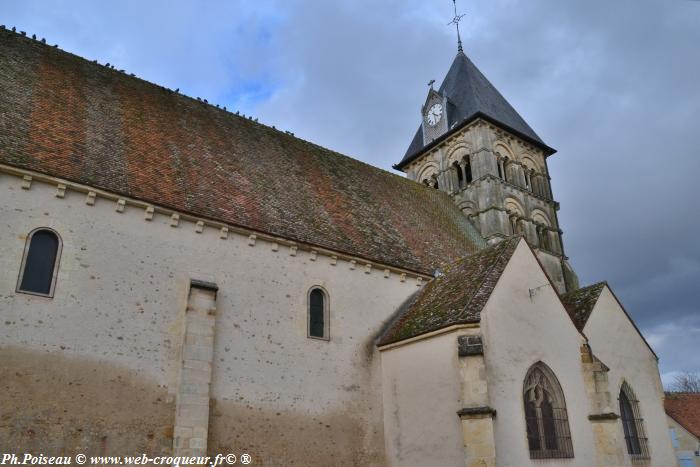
pixel 456 296
pixel 580 303
pixel 67 117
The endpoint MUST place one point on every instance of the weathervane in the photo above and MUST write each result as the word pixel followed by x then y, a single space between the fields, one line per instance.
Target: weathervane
pixel 456 21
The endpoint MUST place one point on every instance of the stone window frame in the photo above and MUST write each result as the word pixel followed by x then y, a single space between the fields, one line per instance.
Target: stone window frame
pixel 640 438
pixel 326 313
pixel 23 264
pixel 541 376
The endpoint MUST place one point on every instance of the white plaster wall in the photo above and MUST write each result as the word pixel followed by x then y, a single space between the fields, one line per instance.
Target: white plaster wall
pixel 421 393
pixel 120 298
pixel 518 331
pixel 615 341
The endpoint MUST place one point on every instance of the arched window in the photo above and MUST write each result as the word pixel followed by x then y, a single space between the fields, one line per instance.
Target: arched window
pixel 468 171
pixel 543 238
pixel 632 424
pixel 460 175
pixel 515 225
pixel 318 314
pixel 40 263
pixel 546 420
pixel 528 179
pixel 515 214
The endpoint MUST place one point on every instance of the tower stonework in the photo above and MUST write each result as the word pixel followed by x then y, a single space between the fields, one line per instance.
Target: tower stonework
pixel 493 165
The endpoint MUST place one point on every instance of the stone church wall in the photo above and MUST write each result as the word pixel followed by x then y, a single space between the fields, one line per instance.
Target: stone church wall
pixel 421 386
pixel 96 367
pixel 524 322
pixel 616 342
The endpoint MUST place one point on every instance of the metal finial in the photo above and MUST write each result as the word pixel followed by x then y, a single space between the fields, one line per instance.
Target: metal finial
pixel 456 21
pixel 430 83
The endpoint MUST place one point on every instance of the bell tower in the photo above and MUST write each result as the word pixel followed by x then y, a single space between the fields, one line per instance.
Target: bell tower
pixel 473 145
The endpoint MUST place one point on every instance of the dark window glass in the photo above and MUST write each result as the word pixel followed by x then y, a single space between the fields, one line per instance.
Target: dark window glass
pixel 550 432
pixel 533 434
pixel 316 312
pixel 40 262
pixel 468 172
pixel 460 176
pixel 629 425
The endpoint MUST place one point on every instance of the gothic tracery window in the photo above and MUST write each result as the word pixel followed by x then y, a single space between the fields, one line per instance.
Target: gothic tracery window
pixel 40 263
pixel 632 423
pixel 546 419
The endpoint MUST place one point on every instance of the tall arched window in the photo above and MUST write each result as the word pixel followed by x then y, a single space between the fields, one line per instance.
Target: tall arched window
pixel 318 314
pixel 546 420
pixel 40 263
pixel 632 423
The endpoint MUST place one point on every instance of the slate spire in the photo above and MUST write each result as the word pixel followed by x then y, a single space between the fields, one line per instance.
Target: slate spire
pixel 470 95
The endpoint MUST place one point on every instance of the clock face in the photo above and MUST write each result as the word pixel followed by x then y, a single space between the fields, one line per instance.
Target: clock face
pixel 434 114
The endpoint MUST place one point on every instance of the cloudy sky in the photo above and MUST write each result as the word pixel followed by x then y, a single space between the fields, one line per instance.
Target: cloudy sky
pixel 611 84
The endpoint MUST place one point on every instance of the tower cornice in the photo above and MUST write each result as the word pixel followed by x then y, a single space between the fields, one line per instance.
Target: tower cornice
pixel 548 151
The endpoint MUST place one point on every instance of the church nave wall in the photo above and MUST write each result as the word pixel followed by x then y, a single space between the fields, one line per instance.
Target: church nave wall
pixel 119 308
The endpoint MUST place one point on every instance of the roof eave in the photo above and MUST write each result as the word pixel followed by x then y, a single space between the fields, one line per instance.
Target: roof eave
pixel 458 324
pixel 547 150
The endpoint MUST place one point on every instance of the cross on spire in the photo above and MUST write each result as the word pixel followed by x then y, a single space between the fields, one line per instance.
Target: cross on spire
pixel 456 21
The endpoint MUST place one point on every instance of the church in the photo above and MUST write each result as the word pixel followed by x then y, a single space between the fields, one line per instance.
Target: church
pixel 180 280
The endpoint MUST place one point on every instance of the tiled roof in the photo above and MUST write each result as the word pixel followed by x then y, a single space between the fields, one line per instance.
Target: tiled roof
pixel 472 95
pixel 684 408
pixel 580 303
pixel 67 117
pixel 455 297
